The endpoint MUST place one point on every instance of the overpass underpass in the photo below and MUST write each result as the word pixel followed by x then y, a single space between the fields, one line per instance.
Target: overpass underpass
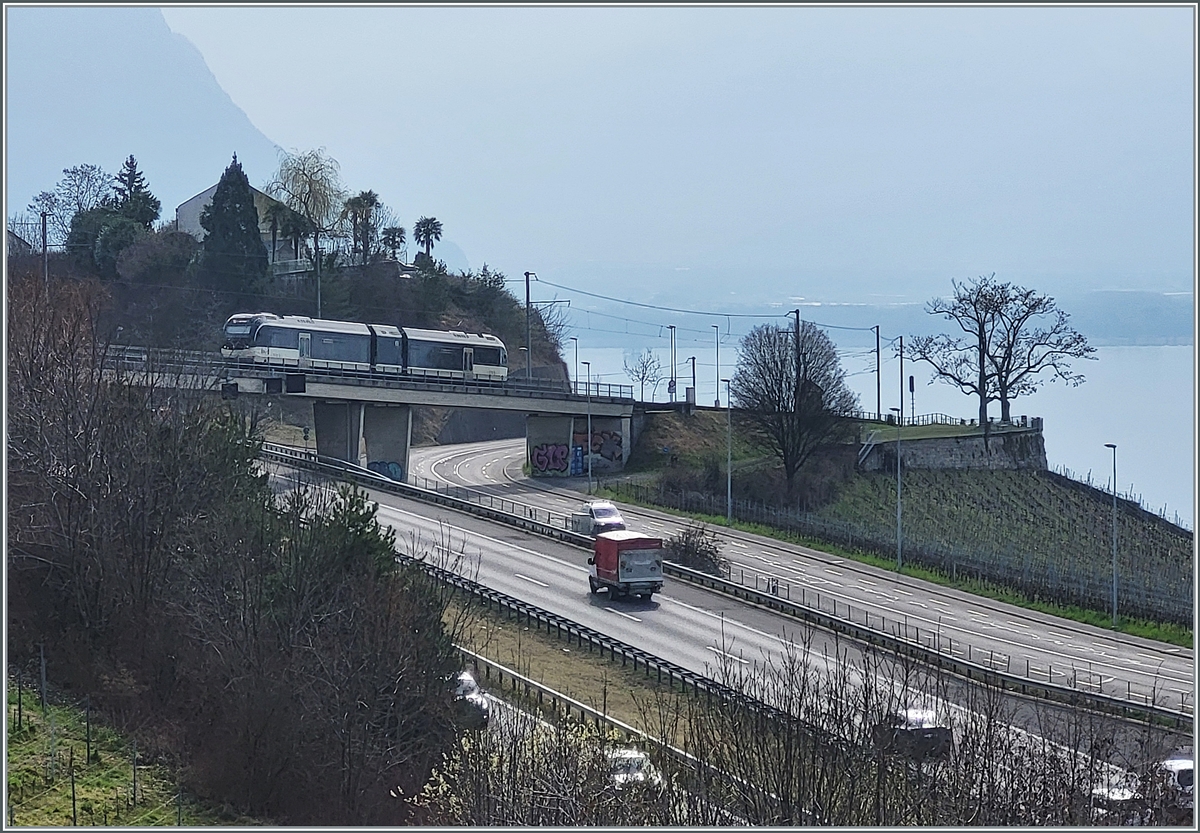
pixel 366 418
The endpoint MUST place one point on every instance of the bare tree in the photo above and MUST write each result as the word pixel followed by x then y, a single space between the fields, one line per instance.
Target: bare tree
pixel 1002 352
pixel 1022 351
pixel 793 391
pixel 963 360
pixel 643 368
pixel 309 183
pixel 82 188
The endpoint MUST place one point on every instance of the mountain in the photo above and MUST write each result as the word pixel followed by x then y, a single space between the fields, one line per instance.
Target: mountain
pixel 96 84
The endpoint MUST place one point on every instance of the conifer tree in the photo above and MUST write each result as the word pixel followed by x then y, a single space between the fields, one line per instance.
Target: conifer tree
pixel 133 197
pixel 234 257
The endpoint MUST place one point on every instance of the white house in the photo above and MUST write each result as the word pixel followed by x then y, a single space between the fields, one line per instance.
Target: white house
pixel 187 218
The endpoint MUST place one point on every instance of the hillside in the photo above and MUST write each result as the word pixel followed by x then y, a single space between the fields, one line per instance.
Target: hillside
pixel 1035 533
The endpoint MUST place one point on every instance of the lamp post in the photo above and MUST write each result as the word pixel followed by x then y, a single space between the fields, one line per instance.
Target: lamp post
pixel 575 378
pixel 899 536
pixel 588 365
pixel 528 329
pixel 1113 446
pixel 729 457
pixel 671 386
pixel 717 340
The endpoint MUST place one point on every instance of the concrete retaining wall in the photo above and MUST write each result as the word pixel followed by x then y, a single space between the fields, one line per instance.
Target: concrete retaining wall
pixel 1006 450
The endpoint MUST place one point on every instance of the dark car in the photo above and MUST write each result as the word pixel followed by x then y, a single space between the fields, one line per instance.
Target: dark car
pixel 916 734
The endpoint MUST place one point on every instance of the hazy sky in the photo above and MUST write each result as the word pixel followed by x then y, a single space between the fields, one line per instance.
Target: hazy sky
pixel 845 151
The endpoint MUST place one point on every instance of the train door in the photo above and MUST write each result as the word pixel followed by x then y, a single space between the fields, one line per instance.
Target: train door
pixel 468 363
pixel 306 349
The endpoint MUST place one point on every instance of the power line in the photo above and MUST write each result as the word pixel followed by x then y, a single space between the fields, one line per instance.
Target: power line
pixel 660 308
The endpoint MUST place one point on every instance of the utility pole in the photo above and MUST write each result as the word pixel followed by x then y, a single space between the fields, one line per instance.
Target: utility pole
pixel 692 359
pixel 899 534
pixel 317 248
pixel 729 458
pixel 45 257
pixel 671 387
pixel 528 331
pixel 1113 446
pixel 589 424
pixel 900 413
pixel 796 402
pixel 575 378
pixel 717 334
pixel 878 378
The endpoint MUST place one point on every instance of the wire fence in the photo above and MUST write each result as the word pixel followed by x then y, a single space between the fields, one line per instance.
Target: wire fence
pixel 1155 589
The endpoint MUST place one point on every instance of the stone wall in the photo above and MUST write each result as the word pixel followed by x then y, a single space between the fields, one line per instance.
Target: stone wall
pixel 1004 450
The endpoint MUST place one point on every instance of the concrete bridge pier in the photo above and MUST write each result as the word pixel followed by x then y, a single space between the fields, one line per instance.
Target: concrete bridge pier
pixel 377 437
pixel 559 446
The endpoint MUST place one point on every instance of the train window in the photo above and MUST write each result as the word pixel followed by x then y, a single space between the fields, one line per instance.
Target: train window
pixel 487 355
pixel 343 347
pixel 276 337
pixel 433 356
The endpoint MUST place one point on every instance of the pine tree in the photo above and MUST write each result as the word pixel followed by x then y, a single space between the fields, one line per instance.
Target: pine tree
pixel 133 197
pixel 234 257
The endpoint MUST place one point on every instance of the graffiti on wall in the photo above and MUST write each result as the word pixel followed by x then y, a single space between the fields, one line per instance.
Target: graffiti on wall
pixel 605 444
pixel 388 468
pixel 549 458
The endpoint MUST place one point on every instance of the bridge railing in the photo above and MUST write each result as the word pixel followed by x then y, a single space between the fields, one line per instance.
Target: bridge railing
pixel 139 359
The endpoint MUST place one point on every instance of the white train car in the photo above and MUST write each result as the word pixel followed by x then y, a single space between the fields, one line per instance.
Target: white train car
pixel 302 342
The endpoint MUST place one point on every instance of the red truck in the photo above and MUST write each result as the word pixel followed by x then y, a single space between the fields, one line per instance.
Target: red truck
pixel 626 563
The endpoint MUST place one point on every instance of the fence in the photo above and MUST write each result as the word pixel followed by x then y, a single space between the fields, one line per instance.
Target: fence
pixel 1149 594
pixel 1063 683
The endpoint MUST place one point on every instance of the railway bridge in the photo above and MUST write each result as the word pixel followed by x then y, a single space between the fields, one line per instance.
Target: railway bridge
pixel 365 418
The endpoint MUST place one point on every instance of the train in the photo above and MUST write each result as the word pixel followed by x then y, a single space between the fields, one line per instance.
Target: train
pixel 302 342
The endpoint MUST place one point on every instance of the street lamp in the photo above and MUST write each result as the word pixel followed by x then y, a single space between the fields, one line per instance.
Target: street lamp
pixel 671 387
pixel 588 365
pixel 528 330
pixel 717 339
pixel 1113 446
pixel 575 378
pixel 729 457
pixel 899 537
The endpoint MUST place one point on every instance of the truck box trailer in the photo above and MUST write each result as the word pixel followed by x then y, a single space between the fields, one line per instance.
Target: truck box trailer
pixel 626 563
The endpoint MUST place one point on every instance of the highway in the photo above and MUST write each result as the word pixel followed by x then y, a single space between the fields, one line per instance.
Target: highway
pixel 1013 637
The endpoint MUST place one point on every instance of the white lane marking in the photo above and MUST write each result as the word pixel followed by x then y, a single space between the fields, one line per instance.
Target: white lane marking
pixel 898 590
pixel 737 544
pixel 936 602
pixel 833 572
pixel 1017 624
pixel 730 656
pixel 622 613
pixel 864 581
pixel 531 580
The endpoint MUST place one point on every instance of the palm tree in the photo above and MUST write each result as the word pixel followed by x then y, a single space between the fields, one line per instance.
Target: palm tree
pixel 393 239
pixel 368 201
pixel 425 231
pixel 353 209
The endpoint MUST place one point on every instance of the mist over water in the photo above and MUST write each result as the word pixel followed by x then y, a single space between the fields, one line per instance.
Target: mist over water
pixel 1141 398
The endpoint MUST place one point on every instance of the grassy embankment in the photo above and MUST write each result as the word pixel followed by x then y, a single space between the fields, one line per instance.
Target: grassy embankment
pixel 1015 511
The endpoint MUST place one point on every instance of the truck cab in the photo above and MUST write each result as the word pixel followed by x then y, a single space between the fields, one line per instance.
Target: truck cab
pixel 596 516
pixel 626 563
